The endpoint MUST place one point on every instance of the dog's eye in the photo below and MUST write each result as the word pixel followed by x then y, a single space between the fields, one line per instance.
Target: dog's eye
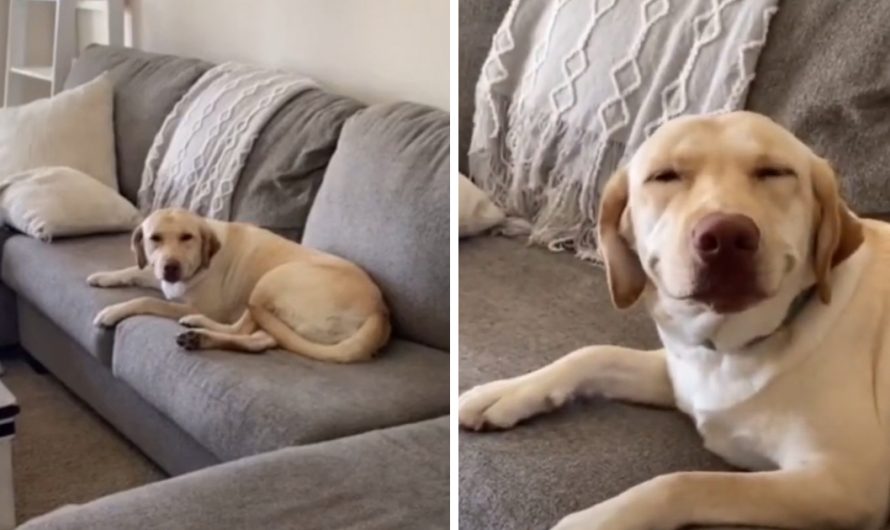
pixel 773 172
pixel 156 238
pixel 666 175
pixel 186 237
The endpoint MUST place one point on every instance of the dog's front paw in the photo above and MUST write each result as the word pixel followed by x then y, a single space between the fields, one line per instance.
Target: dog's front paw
pixel 108 317
pixel 503 404
pixel 103 279
pixel 190 340
pixel 603 517
pixel 97 279
pixel 193 321
pixel 643 507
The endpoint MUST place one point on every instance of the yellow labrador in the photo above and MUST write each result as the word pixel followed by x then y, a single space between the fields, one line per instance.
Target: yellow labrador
pixel 248 289
pixel 772 302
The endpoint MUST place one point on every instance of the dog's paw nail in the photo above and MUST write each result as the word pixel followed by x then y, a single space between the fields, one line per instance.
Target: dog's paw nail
pixel 189 340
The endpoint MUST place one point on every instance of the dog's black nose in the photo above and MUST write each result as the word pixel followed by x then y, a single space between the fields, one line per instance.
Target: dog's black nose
pixel 725 237
pixel 172 271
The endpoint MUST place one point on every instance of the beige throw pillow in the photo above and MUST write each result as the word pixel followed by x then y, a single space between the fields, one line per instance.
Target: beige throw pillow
pixel 55 202
pixel 73 129
pixel 476 211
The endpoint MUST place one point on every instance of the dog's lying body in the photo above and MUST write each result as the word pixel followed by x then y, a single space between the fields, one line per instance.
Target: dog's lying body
pixel 771 301
pixel 249 290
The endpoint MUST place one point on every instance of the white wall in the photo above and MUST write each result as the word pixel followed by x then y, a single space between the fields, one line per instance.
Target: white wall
pixel 373 50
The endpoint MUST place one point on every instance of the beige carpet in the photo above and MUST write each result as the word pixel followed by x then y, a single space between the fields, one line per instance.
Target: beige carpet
pixel 63 453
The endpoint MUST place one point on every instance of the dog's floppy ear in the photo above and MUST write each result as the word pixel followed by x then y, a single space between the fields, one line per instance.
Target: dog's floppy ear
pixel 209 245
pixel 623 269
pixel 838 233
pixel 138 248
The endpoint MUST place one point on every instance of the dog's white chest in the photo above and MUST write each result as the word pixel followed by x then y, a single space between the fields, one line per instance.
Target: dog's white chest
pixel 174 291
pixel 737 442
pixel 717 399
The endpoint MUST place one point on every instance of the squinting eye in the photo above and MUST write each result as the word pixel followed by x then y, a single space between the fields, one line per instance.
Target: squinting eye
pixel 156 238
pixel 667 175
pixel 773 172
pixel 186 237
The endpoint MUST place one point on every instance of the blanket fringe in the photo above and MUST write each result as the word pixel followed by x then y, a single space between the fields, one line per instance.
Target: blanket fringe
pixel 529 168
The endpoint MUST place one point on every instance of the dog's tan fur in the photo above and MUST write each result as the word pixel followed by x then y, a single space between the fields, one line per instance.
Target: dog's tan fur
pixel 805 402
pixel 244 288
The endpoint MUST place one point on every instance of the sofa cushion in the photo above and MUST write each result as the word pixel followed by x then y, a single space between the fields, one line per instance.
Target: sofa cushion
pixel 384 205
pixel 834 100
pixel 52 276
pixel 288 161
pixel 520 309
pixel 146 86
pixel 393 479
pixel 238 404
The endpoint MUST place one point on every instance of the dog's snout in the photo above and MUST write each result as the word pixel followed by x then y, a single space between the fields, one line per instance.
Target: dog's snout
pixel 719 236
pixel 172 271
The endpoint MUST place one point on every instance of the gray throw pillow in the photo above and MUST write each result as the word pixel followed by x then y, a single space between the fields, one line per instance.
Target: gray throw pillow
pixel 284 169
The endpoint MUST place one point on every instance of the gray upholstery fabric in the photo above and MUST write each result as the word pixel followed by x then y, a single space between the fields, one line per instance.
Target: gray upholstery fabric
pixel 155 434
pixel 52 276
pixel 831 89
pixel 237 404
pixel 9 329
pixel 478 20
pixel 285 167
pixel 9 325
pixel 384 205
pixel 146 87
pixel 394 479
pixel 520 309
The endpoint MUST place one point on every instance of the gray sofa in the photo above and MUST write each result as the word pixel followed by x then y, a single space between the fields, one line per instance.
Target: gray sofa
pixel 523 307
pixel 367 183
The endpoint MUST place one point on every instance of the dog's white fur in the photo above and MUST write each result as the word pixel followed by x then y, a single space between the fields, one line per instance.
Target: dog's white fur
pixel 249 290
pixel 807 408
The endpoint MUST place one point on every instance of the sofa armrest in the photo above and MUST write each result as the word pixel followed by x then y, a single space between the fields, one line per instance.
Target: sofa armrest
pixel 389 479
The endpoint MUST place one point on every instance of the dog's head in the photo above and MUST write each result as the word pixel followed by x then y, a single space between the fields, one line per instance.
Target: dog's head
pixel 723 212
pixel 177 244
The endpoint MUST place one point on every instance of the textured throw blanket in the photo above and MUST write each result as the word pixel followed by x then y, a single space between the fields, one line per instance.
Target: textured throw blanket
pixel 572 87
pixel 200 150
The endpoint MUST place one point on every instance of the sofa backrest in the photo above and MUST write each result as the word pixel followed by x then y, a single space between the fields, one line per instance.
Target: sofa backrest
pixel 146 87
pixel 288 160
pixel 383 204
pixel 478 21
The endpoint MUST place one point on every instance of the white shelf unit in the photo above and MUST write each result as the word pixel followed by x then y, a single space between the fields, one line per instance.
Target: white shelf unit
pixel 26 66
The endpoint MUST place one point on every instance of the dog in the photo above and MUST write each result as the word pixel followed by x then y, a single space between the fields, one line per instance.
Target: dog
pixel 772 302
pixel 246 289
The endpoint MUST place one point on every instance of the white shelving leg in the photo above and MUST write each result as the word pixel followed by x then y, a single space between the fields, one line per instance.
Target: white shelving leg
pixel 115 22
pixel 65 45
pixel 15 45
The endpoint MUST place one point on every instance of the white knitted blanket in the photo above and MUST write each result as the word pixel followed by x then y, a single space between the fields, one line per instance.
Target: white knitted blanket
pixel 198 154
pixel 572 87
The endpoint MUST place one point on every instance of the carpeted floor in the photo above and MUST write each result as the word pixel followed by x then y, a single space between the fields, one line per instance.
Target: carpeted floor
pixel 63 453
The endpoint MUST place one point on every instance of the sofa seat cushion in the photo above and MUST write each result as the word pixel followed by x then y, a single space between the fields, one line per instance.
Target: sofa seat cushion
pixel 52 276
pixel 393 479
pixel 521 308
pixel 239 404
